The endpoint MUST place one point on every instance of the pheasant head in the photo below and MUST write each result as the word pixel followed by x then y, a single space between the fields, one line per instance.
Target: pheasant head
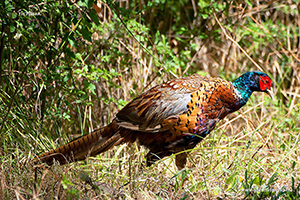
pixel 249 82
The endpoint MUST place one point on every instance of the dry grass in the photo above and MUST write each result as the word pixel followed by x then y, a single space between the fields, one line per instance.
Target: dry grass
pixel 260 139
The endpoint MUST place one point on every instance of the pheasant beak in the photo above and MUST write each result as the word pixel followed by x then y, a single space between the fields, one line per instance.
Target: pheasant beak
pixel 270 93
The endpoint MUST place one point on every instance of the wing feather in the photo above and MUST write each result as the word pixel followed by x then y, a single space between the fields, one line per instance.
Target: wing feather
pixel 147 111
pixel 186 105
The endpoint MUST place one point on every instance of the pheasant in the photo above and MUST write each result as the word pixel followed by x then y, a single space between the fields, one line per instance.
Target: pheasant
pixel 169 118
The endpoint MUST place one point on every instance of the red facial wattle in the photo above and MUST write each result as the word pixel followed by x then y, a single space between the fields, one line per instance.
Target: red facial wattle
pixel 265 83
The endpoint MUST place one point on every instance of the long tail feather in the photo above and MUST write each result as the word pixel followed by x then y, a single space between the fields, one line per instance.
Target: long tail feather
pixel 88 145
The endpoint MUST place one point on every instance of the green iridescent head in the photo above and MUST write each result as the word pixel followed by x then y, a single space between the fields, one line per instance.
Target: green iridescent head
pixel 252 81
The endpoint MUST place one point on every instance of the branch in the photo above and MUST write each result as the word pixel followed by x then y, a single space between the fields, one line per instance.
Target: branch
pixel 232 40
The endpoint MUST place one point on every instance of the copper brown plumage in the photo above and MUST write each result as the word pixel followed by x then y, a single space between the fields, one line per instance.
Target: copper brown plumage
pixel 167 119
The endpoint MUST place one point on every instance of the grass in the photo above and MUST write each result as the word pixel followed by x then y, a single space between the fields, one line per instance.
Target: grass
pixel 252 154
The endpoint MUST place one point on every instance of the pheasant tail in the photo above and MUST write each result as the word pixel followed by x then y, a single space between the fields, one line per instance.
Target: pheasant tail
pixel 91 144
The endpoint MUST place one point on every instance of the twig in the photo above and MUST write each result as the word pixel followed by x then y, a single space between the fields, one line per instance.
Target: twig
pixel 194 57
pixel 287 52
pixel 232 40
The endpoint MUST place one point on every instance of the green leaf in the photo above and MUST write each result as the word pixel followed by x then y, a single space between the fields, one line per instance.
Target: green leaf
pixel 71 42
pixel 82 4
pixel 94 16
pixel 257 181
pixel 90 3
pixel 121 103
pixel 230 181
pixel 272 179
pixel 12 28
pixel 92 88
pixel 13 15
pixel 226 170
pixel 86 34
pixel 65 182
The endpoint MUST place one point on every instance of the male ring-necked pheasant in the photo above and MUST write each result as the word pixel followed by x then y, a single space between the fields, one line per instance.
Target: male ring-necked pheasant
pixel 167 119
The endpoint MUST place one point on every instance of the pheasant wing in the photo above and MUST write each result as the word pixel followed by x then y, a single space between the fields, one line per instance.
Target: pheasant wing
pixel 158 108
